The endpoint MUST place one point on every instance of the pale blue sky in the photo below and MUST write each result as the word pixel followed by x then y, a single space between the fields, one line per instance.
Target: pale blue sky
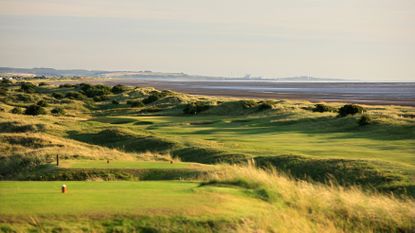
pixel 356 39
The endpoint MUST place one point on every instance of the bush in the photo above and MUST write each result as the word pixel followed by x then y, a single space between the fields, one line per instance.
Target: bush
pixel 66 85
pixel 100 98
pixel 42 103
pixel 117 89
pixel 365 120
pixel 74 95
pixel 265 106
pixel 195 108
pixel 6 82
pixel 27 87
pixel 16 110
pixel 57 111
pixel 94 91
pixel 24 98
pixel 150 99
pixel 115 102
pixel 57 95
pixel 43 84
pixel 350 109
pixel 323 108
pixel 135 104
pixel 248 104
pixel 34 110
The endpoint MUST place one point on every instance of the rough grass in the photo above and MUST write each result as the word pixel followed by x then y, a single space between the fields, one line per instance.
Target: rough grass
pixel 319 208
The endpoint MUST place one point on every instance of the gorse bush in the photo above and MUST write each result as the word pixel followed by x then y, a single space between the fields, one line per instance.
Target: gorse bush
pixel 58 95
pixel 135 104
pixel 66 85
pixel 74 95
pixel 365 120
pixel 195 108
pixel 265 106
pixel 27 87
pixel 117 89
pixel 57 111
pixel 42 103
pixel 16 110
pixel 350 109
pixel 100 98
pixel 248 104
pixel 151 99
pixel 24 98
pixel 323 108
pixel 34 110
pixel 94 91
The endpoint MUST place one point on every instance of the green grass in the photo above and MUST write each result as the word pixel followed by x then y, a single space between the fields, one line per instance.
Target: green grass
pixel 25 199
pixel 319 137
pixel 118 164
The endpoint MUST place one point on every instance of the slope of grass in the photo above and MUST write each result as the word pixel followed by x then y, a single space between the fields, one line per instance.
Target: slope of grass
pixel 231 198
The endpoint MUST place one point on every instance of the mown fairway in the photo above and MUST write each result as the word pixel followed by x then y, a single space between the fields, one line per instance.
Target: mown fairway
pixel 314 135
pixel 20 199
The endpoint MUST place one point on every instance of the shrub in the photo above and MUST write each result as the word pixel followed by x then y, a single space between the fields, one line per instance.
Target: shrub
pixel 24 98
pixel 93 91
pixel 323 108
pixel 265 106
pixel 247 104
pixel 34 110
pixel 117 89
pixel 57 111
pixel 74 95
pixel 135 104
pixel 6 82
pixel 151 98
pixel 350 109
pixel 100 98
pixel 66 85
pixel 42 103
pixel 365 120
pixel 27 87
pixel 57 95
pixel 195 108
pixel 3 91
pixel 43 84
pixel 16 110
pixel 115 102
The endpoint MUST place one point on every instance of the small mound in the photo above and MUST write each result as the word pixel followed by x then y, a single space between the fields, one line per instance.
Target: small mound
pixel 16 127
pixel 126 141
pixel 143 123
pixel 203 123
pixel 26 141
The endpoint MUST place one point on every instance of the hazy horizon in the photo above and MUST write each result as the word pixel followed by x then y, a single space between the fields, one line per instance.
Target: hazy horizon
pixel 361 40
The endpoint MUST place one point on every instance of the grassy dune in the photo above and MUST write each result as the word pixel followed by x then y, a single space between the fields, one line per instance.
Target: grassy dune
pixel 163 174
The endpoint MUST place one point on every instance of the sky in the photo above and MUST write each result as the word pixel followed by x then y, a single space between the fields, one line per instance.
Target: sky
pixel 371 40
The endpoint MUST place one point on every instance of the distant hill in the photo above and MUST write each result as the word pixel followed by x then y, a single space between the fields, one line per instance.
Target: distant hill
pixel 51 72
pixel 150 75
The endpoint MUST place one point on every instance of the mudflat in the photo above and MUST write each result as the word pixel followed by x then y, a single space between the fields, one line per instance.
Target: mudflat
pixel 378 93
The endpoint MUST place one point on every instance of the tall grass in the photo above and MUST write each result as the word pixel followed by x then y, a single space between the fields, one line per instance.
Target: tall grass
pixel 299 206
